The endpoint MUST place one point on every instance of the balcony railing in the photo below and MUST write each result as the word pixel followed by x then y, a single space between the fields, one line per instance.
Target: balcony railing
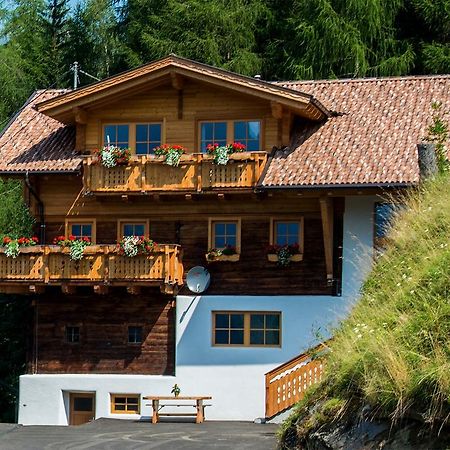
pixel 101 265
pixel 196 173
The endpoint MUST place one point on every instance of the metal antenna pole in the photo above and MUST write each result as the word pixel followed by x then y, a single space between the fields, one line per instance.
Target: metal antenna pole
pixel 74 69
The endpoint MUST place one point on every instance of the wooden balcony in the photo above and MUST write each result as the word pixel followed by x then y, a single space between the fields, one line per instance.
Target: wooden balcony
pixel 101 267
pixel 196 173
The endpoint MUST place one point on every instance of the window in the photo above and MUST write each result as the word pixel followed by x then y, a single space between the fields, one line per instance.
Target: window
pixel 247 328
pixel 225 233
pixel 148 136
pixel 125 404
pixel 134 335
pixel 383 215
pixel 80 229
pixel 248 133
pixel 117 135
pixel 287 233
pixel 73 334
pixel 132 228
pixel 212 132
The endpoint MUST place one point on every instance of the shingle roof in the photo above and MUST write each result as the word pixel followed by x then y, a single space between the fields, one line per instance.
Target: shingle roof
pixel 35 142
pixel 375 139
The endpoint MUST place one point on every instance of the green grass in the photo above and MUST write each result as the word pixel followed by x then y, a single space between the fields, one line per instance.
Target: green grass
pixel 393 352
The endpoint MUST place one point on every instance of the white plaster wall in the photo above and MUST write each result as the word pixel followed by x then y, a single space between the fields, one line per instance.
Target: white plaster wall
pixel 234 377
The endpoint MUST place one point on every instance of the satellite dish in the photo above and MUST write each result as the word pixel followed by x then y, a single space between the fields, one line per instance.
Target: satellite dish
pixel 198 279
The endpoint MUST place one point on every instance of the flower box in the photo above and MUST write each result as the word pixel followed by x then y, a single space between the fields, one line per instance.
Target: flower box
pixel 273 257
pixel 228 258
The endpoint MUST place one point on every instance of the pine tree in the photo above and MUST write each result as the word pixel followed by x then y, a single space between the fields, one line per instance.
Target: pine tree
pixel 217 32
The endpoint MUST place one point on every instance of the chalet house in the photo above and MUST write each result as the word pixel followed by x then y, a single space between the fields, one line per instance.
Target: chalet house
pixel 293 219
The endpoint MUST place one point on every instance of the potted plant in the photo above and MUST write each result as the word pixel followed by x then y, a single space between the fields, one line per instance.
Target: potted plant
pixel 12 246
pixel 132 246
pixel 222 153
pixel 111 156
pixel 172 153
pixel 284 254
pixel 175 390
pixel 228 253
pixel 76 245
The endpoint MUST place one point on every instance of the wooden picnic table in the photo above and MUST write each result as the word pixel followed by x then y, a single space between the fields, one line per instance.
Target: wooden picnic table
pixel 200 407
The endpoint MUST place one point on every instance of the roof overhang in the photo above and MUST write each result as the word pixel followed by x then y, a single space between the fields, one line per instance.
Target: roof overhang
pixel 65 107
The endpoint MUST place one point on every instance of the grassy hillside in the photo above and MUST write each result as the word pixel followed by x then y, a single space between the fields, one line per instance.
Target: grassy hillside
pixel 391 357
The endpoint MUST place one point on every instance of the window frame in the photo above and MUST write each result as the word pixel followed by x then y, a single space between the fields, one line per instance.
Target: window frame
pixel 131 130
pixel 288 219
pixel 230 130
pixel 224 219
pixel 113 403
pixel 135 125
pixel 122 222
pixel 66 327
pixel 87 221
pixel 134 325
pixel 247 329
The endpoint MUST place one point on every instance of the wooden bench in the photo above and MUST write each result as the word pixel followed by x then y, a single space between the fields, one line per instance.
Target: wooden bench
pixel 199 414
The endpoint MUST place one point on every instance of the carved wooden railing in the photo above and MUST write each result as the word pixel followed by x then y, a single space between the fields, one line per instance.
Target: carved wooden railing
pixel 196 173
pixel 286 384
pixel 51 264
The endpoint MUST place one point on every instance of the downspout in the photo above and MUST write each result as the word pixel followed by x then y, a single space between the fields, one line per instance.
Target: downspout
pixel 40 207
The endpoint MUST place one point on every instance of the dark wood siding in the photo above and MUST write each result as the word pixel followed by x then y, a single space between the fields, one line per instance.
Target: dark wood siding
pixel 103 322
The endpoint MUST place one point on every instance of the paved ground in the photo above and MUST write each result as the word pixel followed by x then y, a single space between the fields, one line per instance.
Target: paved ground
pixel 125 434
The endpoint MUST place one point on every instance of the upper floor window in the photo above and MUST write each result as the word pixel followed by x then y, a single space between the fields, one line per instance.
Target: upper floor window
pixel 117 135
pixel 132 228
pixel 148 136
pixel 225 233
pixel 248 133
pixel 287 232
pixel 212 132
pixel 81 229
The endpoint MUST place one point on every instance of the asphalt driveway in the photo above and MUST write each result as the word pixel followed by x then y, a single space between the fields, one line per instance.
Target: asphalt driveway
pixel 124 434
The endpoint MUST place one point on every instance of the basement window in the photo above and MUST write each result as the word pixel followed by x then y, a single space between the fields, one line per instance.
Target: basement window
pixel 72 334
pixel 125 404
pixel 134 335
pixel 247 329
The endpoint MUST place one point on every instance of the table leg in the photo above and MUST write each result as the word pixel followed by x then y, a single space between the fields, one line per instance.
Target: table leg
pixel 200 415
pixel 155 416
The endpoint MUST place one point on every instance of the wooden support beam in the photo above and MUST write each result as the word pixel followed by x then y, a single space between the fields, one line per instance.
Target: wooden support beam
pixel 326 210
pixel 286 126
pixel 68 288
pixel 80 137
pixel 177 81
pixel 277 110
pixel 36 289
pixel 134 290
pixel 81 115
pixel 180 104
pixel 100 289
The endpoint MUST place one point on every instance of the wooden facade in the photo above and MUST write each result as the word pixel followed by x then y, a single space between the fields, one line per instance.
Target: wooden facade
pixel 176 206
pixel 103 326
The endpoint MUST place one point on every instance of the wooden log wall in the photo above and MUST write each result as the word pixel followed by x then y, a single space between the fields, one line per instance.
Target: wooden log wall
pixel 199 102
pixel 173 219
pixel 103 322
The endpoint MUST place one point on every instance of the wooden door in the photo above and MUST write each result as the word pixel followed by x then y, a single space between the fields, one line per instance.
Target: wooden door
pixel 82 408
